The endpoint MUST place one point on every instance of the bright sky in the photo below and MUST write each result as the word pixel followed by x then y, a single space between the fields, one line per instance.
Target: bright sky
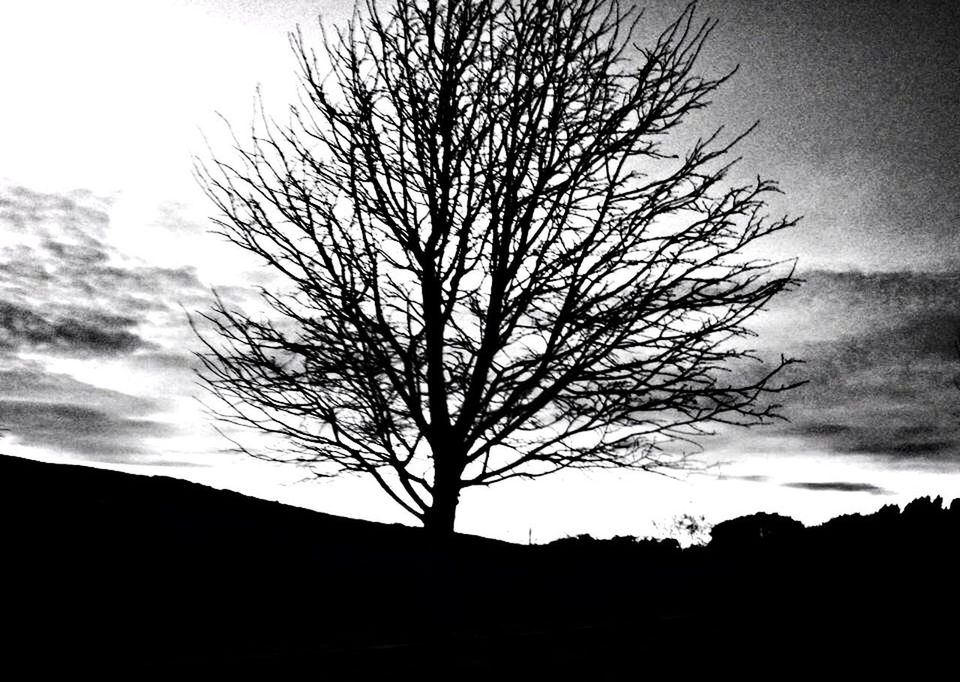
pixel 112 95
pixel 107 101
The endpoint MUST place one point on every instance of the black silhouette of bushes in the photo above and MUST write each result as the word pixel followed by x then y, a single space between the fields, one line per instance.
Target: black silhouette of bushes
pixel 750 532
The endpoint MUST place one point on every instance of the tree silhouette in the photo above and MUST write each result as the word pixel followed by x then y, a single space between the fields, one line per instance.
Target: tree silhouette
pixel 495 268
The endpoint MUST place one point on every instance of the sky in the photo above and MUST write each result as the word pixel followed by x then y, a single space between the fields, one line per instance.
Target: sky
pixel 104 249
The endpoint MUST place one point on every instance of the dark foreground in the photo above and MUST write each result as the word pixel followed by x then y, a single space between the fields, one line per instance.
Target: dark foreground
pixel 103 571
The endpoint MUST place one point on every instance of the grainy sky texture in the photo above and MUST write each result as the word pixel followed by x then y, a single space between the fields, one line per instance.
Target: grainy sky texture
pixel 103 248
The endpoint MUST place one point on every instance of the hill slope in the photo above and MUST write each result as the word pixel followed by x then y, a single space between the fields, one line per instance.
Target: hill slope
pixel 106 569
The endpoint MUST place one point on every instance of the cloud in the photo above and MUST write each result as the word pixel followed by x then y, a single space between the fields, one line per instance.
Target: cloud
pixel 832 305
pixel 869 396
pixel 55 411
pixel 30 381
pixel 65 289
pixel 839 486
pixel 166 361
pixel 878 347
pixel 749 478
pixel 878 436
pixel 823 429
pixel 818 486
pixel 94 332
pixel 87 431
pixel 71 299
pixel 880 361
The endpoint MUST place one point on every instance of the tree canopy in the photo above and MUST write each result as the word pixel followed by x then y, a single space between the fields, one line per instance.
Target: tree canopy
pixel 497 266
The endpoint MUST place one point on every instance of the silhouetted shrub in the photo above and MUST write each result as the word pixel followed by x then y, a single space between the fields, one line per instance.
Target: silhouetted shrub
pixel 749 532
pixel 923 508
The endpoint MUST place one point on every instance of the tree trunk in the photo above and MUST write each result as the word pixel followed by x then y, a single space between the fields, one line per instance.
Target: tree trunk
pixel 440 518
pixel 448 467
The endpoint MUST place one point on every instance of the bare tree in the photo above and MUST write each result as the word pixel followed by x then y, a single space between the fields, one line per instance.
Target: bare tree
pixel 496 269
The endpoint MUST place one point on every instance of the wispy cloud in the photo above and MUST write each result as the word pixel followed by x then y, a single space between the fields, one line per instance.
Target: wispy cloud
pixel 31 381
pixel 69 427
pixel 748 478
pixel 66 292
pixel 91 332
pixel 839 486
pixel 56 261
pixel 880 361
pixel 878 347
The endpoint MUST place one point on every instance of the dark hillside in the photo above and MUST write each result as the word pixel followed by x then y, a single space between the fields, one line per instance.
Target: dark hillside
pixel 105 570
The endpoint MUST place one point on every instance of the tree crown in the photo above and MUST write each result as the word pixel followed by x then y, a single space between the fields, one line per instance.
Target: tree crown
pixel 495 267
